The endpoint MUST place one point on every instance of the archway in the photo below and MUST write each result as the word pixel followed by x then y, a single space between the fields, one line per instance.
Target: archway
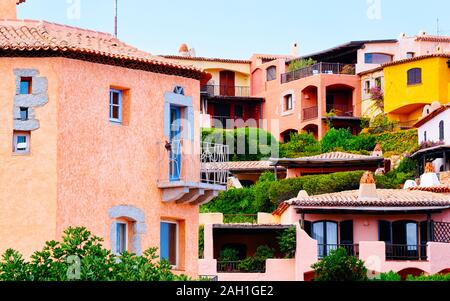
pixel 312 129
pixel 286 135
pixel 310 106
pixel 410 271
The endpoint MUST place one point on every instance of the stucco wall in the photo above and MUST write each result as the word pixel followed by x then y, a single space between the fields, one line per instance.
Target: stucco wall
pixel 28 182
pixel 102 165
pixel 432 128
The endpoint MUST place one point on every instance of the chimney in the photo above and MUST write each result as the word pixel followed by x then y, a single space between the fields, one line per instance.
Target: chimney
pixel 429 178
pixel 368 188
pixel 294 49
pixel 378 151
pixel 8 8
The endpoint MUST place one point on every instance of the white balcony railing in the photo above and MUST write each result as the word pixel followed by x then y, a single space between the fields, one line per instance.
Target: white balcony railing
pixel 212 158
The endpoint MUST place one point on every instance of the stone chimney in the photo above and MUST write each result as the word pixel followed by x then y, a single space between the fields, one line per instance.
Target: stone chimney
pixel 368 187
pixel 8 8
pixel 294 49
pixel 429 178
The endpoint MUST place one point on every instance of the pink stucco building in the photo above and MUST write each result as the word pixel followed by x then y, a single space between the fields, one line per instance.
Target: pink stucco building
pixel 405 231
pixel 97 133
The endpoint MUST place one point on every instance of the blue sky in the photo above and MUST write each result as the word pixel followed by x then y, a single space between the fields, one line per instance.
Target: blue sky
pixel 238 28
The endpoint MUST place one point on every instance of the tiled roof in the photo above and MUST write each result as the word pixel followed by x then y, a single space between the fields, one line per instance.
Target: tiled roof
pixel 386 198
pixel 240 166
pixel 428 38
pixel 20 1
pixel 205 59
pixel 25 37
pixel 436 189
pixel 432 115
pixel 417 58
pixel 338 155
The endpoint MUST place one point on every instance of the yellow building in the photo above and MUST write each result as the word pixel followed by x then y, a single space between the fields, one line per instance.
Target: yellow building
pixel 411 84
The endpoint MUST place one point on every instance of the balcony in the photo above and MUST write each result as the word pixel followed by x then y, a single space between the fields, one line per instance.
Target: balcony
pixel 237 267
pixel 319 68
pixel 340 110
pixel 310 113
pixel 406 252
pixel 326 249
pixel 226 91
pixel 182 176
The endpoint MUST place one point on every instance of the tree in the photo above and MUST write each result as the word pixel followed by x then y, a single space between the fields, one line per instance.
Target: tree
pixel 339 266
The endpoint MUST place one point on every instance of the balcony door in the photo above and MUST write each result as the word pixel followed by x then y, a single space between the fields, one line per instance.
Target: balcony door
pixel 227 83
pixel 326 234
pixel 175 141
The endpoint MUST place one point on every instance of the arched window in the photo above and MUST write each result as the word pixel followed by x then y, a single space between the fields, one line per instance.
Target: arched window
pixel 271 73
pixel 441 131
pixel 377 58
pixel 414 76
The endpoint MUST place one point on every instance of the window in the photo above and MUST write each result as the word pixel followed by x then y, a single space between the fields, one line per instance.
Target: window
pixel 378 82
pixel 410 55
pixel 441 131
pixel 25 85
pixel 271 73
pixel 367 86
pixel 21 142
pixel 377 58
pixel 326 234
pixel 24 114
pixel 238 111
pixel 425 138
pixel 169 242
pixel 115 106
pixel 288 103
pixel 121 238
pixel 414 76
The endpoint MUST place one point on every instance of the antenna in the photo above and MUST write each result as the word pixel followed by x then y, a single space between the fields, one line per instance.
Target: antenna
pixel 115 17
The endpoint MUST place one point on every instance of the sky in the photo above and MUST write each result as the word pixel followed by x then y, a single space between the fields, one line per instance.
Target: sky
pixel 239 28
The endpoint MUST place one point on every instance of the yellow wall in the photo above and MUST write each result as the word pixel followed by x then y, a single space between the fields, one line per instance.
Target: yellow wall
pixel 242 70
pixel 403 102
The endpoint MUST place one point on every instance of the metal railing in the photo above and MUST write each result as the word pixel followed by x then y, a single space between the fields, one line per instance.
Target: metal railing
pixel 212 158
pixel 319 68
pixel 325 249
pixel 340 110
pixel 226 90
pixel 235 267
pixel 240 219
pixel 209 278
pixel 310 113
pixel 175 159
pixel 406 252
pixel 440 232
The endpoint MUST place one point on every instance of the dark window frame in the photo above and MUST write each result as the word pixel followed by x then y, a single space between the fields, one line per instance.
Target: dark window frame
pixel 414 76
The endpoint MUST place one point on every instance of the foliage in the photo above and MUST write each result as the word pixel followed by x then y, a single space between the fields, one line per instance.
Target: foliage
pixel 338 266
pixel 398 143
pixel 57 262
pixel 229 254
pixel 246 144
pixel 301 145
pixel 377 95
pixel 391 276
pixel 342 139
pixel 201 241
pixel 380 124
pixel 437 277
pixel 256 262
pixel 261 201
pixel 233 201
pixel 287 242
pixel 300 64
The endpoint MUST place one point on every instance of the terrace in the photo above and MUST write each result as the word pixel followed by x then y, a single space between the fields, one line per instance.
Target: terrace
pixel 319 68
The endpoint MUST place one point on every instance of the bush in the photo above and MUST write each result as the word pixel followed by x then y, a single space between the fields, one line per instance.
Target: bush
pixel 256 263
pixel 301 145
pixel 338 266
pixel 437 277
pixel 229 254
pixel 300 64
pixel 381 124
pixel 262 202
pixel 287 242
pixel 233 201
pixel 58 262
pixel 246 144
pixel 342 139
pixel 398 143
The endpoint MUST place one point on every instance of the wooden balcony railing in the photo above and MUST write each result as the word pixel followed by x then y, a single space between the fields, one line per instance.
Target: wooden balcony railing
pixel 406 252
pixel 310 113
pixel 225 90
pixel 319 68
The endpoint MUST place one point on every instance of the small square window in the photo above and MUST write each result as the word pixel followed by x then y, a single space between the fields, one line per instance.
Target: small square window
pixel 25 85
pixel 410 55
pixel 288 103
pixel 24 114
pixel 21 142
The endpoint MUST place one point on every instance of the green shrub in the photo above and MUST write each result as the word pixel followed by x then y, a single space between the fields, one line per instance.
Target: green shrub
pixel 262 202
pixel 437 277
pixel 256 262
pixel 300 64
pixel 229 254
pixel 57 262
pixel 381 124
pixel 342 139
pixel 338 266
pixel 233 201
pixel 301 145
pixel 398 143
pixel 287 242
pixel 201 241
pixel 391 276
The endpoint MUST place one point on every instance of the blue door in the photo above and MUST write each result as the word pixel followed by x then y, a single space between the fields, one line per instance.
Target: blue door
pixel 175 140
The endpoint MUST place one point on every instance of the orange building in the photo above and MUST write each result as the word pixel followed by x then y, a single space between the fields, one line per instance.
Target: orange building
pixel 99 134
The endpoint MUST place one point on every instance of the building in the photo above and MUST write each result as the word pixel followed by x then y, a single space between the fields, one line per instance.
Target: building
pixel 434 137
pixel 227 101
pixel 413 83
pixel 98 134
pixel 330 163
pixel 405 231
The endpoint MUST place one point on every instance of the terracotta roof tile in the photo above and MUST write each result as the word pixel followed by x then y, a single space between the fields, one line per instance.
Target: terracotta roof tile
pixel 417 58
pixel 429 38
pixel 338 155
pixel 240 166
pixel 205 59
pixel 29 36
pixel 386 198
pixel 436 189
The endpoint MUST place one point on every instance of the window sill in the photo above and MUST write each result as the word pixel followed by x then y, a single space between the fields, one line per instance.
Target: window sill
pixel 287 113
pixel 116 122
